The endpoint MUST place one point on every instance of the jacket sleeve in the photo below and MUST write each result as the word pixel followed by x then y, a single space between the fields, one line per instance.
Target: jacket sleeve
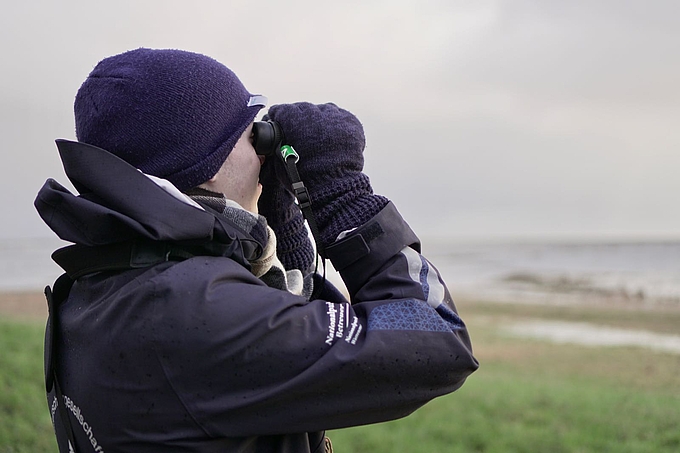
pixel 267 362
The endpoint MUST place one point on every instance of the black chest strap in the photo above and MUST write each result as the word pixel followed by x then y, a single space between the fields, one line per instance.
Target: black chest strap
pixel 79 260
pixel 61 289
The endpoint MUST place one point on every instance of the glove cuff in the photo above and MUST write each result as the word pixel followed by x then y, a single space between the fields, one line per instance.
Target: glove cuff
pixel 293 245
pixel 343 204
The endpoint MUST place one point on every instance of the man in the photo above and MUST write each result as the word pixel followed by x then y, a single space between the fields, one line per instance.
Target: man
pixel 191 318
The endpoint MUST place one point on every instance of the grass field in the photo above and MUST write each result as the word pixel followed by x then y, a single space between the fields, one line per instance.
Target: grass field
pixel 527 396
pixel 24 419
pixel 533 396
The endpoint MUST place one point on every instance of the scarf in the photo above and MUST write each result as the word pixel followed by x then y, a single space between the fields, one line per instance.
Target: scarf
pixel 267 267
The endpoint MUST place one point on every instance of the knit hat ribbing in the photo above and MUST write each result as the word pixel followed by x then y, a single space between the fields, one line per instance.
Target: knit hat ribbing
pixel 171 113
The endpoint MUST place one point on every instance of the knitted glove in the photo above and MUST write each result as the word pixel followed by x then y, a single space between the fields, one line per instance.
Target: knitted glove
pixel 330 142
pixel 277 204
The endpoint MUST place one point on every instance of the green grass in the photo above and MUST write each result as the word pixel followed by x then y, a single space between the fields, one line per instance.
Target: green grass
pixel 498 413
pixel 24 419
pixel 533 396
pixel 527 396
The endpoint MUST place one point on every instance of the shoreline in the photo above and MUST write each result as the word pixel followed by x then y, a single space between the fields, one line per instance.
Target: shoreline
pixel 23 305
pixel 30 305
pixel 584 300
pixel 589 321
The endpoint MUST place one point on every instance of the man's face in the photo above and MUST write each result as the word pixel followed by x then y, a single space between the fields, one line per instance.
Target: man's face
pixel 238 178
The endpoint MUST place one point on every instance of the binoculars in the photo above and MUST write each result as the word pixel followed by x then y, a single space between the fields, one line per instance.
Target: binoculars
pixel 267 137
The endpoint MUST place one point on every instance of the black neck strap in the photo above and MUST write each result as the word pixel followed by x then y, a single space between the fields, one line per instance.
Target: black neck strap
pixel 290 159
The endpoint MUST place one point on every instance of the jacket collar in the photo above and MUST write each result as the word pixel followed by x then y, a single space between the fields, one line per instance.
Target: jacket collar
pixel 117 203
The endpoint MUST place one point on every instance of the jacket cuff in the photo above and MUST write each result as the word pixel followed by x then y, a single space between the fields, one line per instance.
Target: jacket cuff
pixel 363 252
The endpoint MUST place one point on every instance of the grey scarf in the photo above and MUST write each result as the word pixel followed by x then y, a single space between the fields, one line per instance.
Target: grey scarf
pixel 267 267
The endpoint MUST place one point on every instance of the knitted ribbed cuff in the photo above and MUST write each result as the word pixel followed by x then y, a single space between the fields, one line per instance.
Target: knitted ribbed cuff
pixel 293 245
pixel 342 204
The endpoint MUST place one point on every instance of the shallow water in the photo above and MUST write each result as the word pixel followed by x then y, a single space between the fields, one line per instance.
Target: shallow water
pixel 587 334
pixel 562 273
pixel 25 264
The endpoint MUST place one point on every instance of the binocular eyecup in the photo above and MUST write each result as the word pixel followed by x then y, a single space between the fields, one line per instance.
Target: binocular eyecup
pixel 267 137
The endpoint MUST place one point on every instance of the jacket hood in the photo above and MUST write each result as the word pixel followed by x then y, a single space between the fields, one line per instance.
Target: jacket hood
pixel 118 203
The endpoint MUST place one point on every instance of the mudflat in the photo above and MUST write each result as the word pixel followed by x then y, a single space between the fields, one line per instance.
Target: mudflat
pixel 23 305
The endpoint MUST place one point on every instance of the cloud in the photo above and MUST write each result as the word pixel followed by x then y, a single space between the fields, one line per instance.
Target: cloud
pixel 525 113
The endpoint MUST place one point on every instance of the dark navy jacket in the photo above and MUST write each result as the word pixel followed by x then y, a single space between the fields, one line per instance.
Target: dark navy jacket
pixel 200 355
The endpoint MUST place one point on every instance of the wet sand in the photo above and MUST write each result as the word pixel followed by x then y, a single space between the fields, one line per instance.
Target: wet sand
pixel 31 306
pixel 23 305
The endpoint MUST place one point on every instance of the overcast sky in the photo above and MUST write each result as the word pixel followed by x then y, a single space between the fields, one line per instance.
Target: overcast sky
pixel 484 119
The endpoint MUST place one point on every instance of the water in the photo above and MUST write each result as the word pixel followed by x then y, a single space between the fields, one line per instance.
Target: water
pixel 586 334
pixel 638 272
pixel 560 273
pixel 25 264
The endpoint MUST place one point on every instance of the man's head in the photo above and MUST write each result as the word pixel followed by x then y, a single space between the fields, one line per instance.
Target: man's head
pixel 239 176
pixel 171 113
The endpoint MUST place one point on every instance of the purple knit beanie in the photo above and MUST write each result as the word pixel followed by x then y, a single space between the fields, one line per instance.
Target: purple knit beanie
pixel 170 113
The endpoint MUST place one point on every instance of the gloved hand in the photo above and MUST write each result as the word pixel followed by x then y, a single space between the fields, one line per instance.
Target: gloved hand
pixel 277 204
pixel 330 142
